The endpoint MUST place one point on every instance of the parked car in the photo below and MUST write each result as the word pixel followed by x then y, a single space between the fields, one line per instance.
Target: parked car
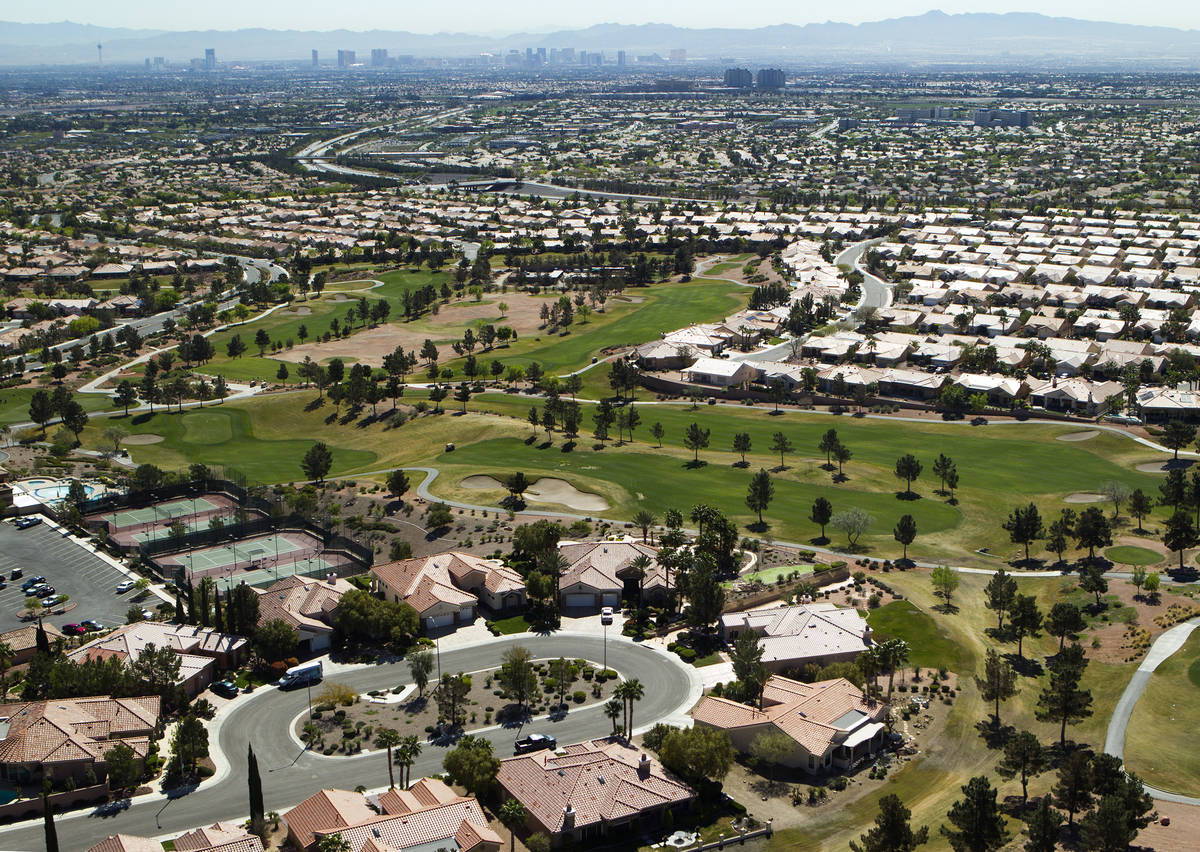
pixel 124 586
pixel 534 742
pixel 16 574
pixel 28 521
pixel 225 688
pixel 91 624
pixel 54 600
pixel 606 615
pixel 46 591
pixel 147 615
pixel 33 581
pixel 74 629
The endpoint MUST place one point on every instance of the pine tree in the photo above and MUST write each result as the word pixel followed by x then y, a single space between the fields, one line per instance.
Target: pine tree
pixel 257 810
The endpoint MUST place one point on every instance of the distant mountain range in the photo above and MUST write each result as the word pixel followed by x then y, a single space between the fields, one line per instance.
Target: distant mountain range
pixel 1023 39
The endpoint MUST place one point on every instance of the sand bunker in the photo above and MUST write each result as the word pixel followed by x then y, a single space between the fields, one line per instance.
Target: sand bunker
pixel 1164 465
pixel 545 490
pixel 141 439
pixel 298 312
pixel 1084 497
pixel 1079 436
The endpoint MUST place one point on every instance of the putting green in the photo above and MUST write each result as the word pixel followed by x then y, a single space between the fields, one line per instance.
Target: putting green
pixel 1132 555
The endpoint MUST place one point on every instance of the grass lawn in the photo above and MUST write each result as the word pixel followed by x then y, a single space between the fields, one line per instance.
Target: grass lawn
pixel 1133 555
pixel 1160 742
pixel 707 660
pixel 14 404
pixel 513 624
pixel 929 646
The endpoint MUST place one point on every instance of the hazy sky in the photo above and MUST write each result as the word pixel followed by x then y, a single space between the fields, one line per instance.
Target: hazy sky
pixel 505 16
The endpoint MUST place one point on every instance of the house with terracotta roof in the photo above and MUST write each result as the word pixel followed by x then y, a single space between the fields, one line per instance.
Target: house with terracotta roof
pixel 832 722
pixel 69 736
pixel 600 573
pixel 592 790
pixel 22 641
pixel 795 636
pixel 218 837
pixel 447 588
pixel 427 816
pixel 307 605
pixel 201 650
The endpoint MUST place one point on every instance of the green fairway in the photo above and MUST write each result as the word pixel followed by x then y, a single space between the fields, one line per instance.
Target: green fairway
pixel 1160 739
pixel 1132 555
pixel 14 404
pixel 928 645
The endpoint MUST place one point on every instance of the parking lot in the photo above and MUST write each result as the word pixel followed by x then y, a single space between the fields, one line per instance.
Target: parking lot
pixel 90 581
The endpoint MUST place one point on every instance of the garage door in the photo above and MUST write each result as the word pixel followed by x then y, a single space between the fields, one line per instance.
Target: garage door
pixel 611 599
pixel 581 600
pixel 436 621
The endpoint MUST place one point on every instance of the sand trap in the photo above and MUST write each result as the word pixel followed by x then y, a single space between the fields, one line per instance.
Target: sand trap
pixel 1084 497
pixel 1079 436
pixel 545 490
pixel 298 312
pixel 1164 465
pixel 141 439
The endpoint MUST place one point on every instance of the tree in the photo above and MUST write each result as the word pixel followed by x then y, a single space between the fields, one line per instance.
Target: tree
pixel 333 843
pixel 564 673
pixel 1176 435
pixel 658 431
pixel 41 411
pixel 908 468
pixel 999 595
pixel 630 692
pixel 829 442
pixel 517 677
pixel 236 347
pixel 746 656
pixel 822 512
pixel 706 596
pixel 697 754
pixel 275 639
pixel 904 532
pixel 614 710
pixel 1140 506
pixel 472 765
pixel 258 812
pixel 389 738
pixel 1043 828
pixel 126 395
pixel 853 522
pixel 1179 534
pixel 397 483
pixel 644 519
pixel 1093 530
pixel 943 465
pixel 190 742
pixel 114 435
pixel 1023 758
pixel 759 493
pixel 1024 526
pixel 978 823
pixel 782 445
pixel 317 461
pixel 513 815
pixel 695 438
pixel 892 831
pixel 1063 620
pixel 1152 584
pixel 6 660
pixel 741 444
pixel 1117 492
pixel 1073 792
pixel 999 682
pixel 124 768
pixel 420 665
pixel 945 581
pixel 841 455
pixel 407 752
pixel 1107 828
pixel 49 832
pixel 262 339
pixel 1062 700
pixel 772 747
pixel 1026 619
pixel 1093 581
pixel 450 694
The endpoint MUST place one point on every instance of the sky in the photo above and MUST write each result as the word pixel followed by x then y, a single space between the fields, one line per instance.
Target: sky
pixel 495 17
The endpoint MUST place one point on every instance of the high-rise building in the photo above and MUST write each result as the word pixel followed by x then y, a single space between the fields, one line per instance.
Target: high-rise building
pixel 316 58
pixel 210 58
pixel 567 55
pixel 738 78
pixel 379 57
pixel 345 58
pixel 621 59
pixel 541 56
pixel 771 78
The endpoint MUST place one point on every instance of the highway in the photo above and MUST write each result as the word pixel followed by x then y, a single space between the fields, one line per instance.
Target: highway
pixel 290 773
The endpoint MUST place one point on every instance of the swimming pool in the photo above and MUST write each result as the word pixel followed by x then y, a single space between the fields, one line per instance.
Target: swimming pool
pixel 53 490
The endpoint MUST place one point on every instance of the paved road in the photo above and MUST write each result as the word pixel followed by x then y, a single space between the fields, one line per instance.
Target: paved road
pixel 1114 741
pixel 876 293
pixel 290 774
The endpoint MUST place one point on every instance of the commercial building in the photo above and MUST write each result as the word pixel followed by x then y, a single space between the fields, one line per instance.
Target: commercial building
pixel 738 78
pixel 771 78
pixel 345 58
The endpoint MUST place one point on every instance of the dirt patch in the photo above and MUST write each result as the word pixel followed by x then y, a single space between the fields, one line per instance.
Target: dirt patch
pixel 1084 497
pixel 138 440
pixel 1179 836
pixel 481 482
pixel 1164 466
pixel 298 312
pixel 545 490
pixel 1079 436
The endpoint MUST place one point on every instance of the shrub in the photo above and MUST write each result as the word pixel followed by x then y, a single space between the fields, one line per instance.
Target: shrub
pixel 337 693
pixel 579 696
pixel 686 654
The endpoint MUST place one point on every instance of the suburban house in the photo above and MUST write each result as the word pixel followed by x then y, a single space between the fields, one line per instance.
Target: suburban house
pixel 427 816
pixel 218 837
pixel 23 641
pixel 589 791
pixel 69 736
pixel 720 373
pixel 832 722
pixel 446 589
pixel 794 636
pixel 201 650
pixel 307 605
pixel 600 573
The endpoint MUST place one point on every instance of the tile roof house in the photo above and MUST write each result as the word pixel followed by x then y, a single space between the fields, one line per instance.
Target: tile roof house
pixel 586 791
pixel 794 636
pixel 201 649
pixel 599 573
pixel 23 641
pixel 218 837
pixel 307 605
pixel 446 588
pixel 126 843
pixel 427 816
pixel 71 735
pixel 832 722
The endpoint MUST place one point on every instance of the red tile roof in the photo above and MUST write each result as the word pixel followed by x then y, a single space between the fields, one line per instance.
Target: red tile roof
pixel 68 729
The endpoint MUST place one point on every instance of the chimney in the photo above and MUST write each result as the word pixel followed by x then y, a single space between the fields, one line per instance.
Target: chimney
pixel 568 823
pixel 644 767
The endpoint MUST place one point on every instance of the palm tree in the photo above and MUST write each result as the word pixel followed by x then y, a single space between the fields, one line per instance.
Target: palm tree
pixel 639 568
pixel 389 738
pixel 6 658
pixel 644 520
pixel 407 753
pixel 613 710
pixel 897 656
pixel 512 814
pixel 872 661
pixel 629 692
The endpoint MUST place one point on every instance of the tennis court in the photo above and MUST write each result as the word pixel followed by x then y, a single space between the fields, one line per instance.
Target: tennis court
pixel 240 552
pixel 160 512
pixel 254 560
